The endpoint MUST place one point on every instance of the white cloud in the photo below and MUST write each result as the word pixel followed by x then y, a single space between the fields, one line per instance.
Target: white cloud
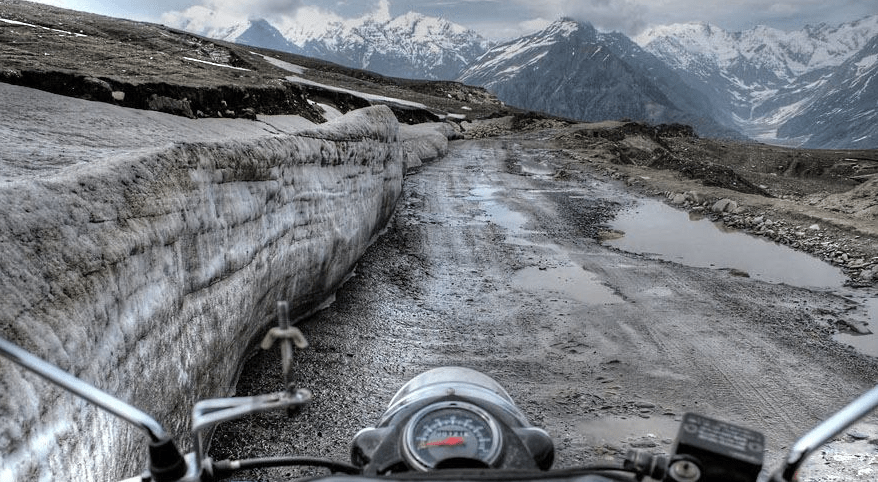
pixel 215 14
pixel 624 16
pixel 783 9
pixel 534 25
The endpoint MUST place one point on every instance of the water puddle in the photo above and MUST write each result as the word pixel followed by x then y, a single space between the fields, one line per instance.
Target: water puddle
pixel 495 211
pixel 570 282
pixel 658 230
pixel 867 344
pixel 625 430
pixel 536 168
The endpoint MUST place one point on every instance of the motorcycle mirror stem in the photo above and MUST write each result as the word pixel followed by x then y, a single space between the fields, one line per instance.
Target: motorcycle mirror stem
pixel 824 432
pixel 166 463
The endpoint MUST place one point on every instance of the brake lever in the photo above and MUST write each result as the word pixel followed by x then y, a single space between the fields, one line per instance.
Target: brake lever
pixel 824 432
pixel 208 413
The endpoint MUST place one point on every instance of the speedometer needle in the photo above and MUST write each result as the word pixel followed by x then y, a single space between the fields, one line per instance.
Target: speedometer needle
pixel 449 442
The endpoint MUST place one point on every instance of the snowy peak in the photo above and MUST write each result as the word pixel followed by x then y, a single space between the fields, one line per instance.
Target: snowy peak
pixel 787 54
pixel 572 70
pixel 776 84
pixel 841 113
pixel 506 60
pixel 410 45
pixel 260 33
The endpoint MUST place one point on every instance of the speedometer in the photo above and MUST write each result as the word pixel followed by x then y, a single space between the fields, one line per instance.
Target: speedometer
pixel 451 430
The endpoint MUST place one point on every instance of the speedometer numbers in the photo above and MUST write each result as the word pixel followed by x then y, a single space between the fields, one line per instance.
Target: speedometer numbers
pixel 451 430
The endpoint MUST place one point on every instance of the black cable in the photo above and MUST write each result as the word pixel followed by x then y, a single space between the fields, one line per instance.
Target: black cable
pixel 227 467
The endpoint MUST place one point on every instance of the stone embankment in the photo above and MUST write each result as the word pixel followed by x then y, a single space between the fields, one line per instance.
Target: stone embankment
pixel 810 238
pixel 143 252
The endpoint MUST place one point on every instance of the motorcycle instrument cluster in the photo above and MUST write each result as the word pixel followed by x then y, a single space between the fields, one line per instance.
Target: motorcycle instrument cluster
pixel 451 431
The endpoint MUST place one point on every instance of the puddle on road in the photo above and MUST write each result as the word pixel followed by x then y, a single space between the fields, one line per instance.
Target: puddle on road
pixel 495 211
pixel 656 229
pixel 867 344
pixel 624 430
pixel 659 230
pixel 571 282
pixel 536 168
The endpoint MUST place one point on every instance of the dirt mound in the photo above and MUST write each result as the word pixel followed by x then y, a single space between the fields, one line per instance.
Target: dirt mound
pixel 634 143
pixel 708 173
pixel 860 202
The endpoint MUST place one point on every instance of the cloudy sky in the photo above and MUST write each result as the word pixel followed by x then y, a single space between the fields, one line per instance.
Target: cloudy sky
pixel 504 19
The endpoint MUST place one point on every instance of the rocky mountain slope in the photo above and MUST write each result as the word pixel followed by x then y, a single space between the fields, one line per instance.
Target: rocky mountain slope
pixel 571 69
pixel 813 87
pixel 152 67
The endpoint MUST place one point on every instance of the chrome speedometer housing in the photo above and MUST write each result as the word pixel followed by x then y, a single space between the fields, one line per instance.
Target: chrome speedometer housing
pixel 451 418
pixel 454 431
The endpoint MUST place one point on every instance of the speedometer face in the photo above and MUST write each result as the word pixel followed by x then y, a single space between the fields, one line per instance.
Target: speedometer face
pixel 449 430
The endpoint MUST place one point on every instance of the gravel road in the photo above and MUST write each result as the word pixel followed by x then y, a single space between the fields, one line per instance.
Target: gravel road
pixel 491 263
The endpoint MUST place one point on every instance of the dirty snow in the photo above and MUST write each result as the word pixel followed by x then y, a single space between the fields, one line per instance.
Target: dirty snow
pixel 370 97
pixel 65 32
pixel 215 64
pixel 126 220
pixel 291 68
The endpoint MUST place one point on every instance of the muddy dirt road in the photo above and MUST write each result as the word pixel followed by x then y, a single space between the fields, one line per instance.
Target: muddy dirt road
pixel 491 263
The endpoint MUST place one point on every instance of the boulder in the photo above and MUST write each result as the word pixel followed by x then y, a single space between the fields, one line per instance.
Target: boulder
pixel 724 206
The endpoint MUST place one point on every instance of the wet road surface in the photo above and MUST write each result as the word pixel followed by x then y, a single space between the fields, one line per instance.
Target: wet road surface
pixel 491 263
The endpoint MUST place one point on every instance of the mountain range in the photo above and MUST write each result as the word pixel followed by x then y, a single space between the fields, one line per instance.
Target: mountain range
pixel 815 87
pixel 571 69
pixel 413 45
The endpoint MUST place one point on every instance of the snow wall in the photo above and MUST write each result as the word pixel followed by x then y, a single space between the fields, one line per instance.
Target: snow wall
pixel 148 272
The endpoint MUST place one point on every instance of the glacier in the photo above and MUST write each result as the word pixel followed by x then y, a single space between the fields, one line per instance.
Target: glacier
pixel 143 252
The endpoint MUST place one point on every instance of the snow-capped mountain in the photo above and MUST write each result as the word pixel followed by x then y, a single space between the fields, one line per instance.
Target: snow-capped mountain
pixel 260 33
pixel 410 45
pixel 768 79
pixel 843 112
pixel 811 87
pixel 571 69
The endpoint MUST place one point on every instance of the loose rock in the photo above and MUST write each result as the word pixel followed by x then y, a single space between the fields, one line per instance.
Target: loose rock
pixel 724 206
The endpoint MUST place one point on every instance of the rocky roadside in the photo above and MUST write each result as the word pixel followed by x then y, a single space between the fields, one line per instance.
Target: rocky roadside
pixel 844 246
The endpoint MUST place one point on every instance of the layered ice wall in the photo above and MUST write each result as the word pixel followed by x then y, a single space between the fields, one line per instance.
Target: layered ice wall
pixel 142 252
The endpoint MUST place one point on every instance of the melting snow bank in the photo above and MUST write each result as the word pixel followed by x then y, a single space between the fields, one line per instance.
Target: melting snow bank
pixel 145 265
pixel 425 142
